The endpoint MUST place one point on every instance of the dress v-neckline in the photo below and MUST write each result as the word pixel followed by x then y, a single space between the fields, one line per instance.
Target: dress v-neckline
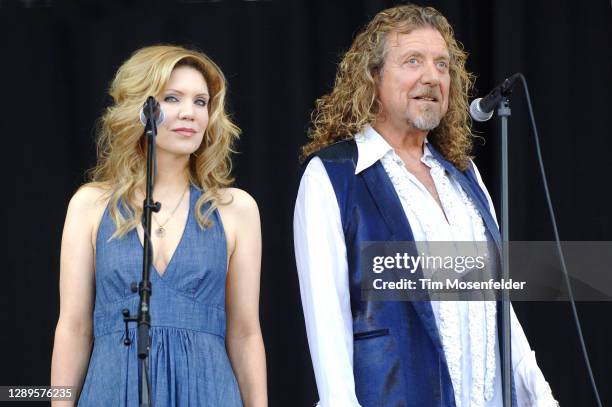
pixel 178 245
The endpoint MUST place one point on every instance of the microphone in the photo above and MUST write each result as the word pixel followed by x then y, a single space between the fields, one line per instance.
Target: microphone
pixel 481 109
pixel 151 106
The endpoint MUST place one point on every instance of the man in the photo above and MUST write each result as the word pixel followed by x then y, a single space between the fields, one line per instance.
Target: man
pixel 389 161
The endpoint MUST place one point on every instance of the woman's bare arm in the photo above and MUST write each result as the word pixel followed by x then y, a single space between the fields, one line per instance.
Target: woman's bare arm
pixel 73 334
pixel 244 340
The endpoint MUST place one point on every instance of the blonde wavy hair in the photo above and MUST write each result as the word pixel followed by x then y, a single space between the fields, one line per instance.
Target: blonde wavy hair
pixel 121 147
pixel 352 103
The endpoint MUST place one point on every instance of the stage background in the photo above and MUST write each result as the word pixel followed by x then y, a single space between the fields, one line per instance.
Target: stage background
pixel 279 56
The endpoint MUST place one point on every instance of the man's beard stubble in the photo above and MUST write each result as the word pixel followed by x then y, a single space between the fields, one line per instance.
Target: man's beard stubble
pixel 426 120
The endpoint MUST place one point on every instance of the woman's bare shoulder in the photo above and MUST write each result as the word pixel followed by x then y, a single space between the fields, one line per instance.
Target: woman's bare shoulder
pixel 86 208
pixel 90 197
pixel 240 216
pixel 237 200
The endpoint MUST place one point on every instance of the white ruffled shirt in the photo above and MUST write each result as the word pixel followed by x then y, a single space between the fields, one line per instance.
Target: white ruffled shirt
pixel 467 328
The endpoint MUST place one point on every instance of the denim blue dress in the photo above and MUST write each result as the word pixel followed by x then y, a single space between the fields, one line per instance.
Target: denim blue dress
pixel 188 363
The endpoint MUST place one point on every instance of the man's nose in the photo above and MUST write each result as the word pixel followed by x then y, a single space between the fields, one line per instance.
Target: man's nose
pixel 431 75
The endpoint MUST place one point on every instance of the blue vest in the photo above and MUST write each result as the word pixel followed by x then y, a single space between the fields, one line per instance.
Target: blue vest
pixel 398 359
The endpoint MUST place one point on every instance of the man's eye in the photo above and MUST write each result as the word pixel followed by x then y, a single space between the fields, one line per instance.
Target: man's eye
pixel 170 99
pixel 201 102
pixel 442 65
pixel 412 61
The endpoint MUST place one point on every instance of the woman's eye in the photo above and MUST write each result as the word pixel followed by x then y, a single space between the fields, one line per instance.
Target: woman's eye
pixel 201 102
pixel 412 61
pixel 170 98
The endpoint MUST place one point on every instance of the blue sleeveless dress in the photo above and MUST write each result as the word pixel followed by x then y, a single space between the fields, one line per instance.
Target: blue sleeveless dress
pixel 188 362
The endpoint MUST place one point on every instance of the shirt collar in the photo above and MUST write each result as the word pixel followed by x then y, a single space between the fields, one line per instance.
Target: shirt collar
pixel 371 147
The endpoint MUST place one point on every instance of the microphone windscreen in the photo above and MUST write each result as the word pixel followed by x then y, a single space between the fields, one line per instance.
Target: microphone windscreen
pixel 160 117
pixel 477 114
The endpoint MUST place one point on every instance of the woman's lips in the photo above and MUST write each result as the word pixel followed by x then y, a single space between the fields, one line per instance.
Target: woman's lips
pixel 184 131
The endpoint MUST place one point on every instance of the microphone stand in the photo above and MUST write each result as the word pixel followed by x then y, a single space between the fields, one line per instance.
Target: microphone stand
pixel 144 287
pixel 482 110
pixel 504 113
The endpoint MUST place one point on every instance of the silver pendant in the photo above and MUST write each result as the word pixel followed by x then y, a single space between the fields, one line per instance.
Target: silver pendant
pixel 160 232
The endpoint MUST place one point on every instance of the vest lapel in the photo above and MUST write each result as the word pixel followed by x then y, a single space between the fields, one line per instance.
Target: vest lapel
pixel 388 202
pixel 390 207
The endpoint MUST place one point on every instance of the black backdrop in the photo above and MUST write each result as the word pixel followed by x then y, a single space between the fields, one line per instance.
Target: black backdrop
pixel 57 62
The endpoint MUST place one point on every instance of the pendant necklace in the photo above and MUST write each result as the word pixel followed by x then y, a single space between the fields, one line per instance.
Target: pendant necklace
pixel 160 231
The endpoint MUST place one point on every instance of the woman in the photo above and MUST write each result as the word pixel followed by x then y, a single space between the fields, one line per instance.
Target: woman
pixel 206 343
